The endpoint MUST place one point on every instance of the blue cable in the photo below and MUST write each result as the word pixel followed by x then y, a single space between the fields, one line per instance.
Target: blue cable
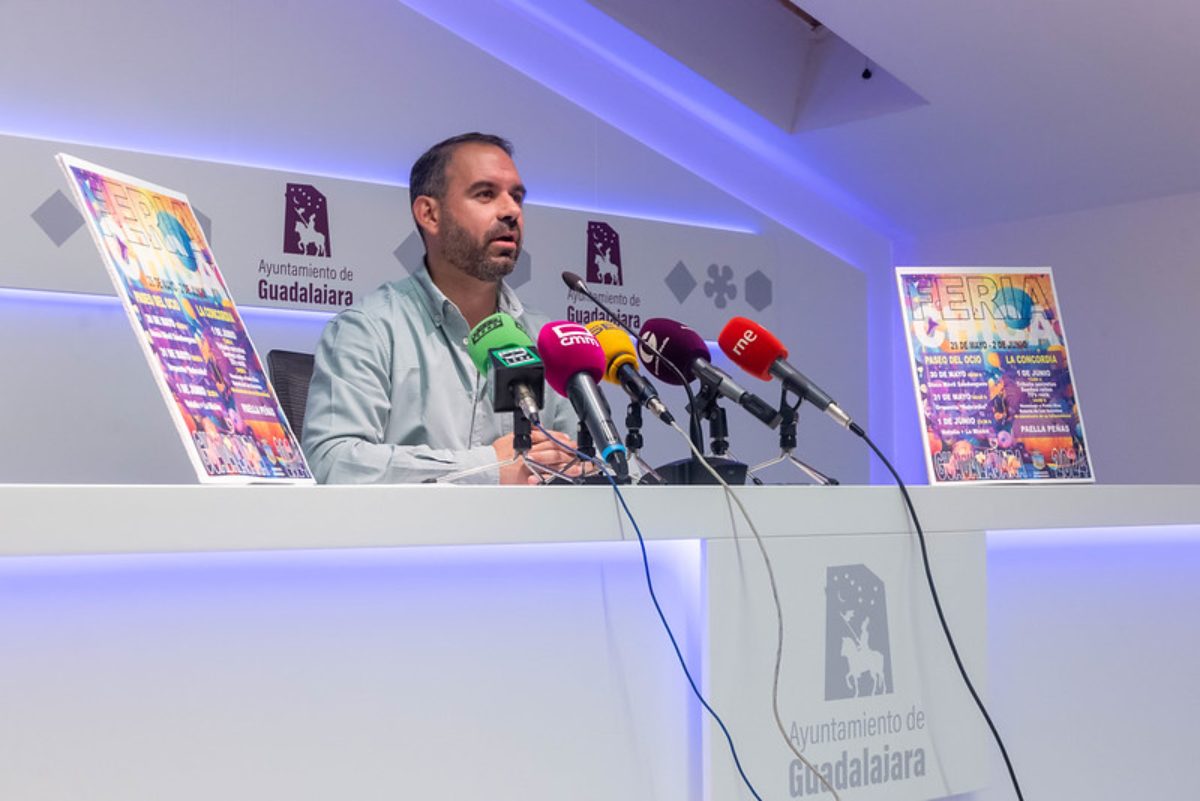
pixel 658 608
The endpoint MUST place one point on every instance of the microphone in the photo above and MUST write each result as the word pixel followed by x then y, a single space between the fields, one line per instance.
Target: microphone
pixel 622 368
pixel 573 281
pixel 684 351
pixel 574 363
pixel 577 284
pixel 757 351
pixel 504 353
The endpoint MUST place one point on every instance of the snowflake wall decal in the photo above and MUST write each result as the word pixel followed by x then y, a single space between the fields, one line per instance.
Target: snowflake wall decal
pixel 720 286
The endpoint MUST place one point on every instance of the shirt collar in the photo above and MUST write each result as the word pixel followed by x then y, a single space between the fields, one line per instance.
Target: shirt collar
pixel 439 305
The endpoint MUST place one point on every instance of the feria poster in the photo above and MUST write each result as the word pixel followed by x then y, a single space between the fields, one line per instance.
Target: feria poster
pixel 992 375
pixel 190 331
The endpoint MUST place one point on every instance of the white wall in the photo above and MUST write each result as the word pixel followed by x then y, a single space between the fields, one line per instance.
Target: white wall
pixel 1088 655
pixel 1091 657
pixel 1128 283
pixel 358 93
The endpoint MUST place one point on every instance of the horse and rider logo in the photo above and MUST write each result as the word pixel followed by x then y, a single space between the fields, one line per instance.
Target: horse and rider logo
pixel 305 222
pixel 603 255
pixel 858 653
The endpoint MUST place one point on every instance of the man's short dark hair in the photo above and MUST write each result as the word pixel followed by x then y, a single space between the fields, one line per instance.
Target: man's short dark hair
pixel 428 175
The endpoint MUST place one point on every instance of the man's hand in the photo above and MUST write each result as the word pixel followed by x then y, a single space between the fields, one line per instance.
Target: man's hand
pixel 543 451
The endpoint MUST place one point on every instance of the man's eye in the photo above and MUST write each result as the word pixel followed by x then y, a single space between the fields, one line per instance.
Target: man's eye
pixel 487 194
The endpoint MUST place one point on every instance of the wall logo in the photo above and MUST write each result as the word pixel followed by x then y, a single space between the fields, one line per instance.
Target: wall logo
pixel 858 652
pixel 604 255
pixel 305 222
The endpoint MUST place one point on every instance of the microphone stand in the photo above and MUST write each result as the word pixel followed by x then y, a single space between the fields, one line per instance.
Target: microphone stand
pixel 633 428
pixel 787 443
pixel 690 471
pixel 718 425
pixel 522 443
pixel 634 443
pixel 587 446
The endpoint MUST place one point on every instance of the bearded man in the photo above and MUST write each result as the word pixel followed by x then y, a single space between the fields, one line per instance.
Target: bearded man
pixel 395 396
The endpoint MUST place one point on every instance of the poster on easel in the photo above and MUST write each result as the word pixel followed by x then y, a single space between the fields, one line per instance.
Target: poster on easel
pixel 992 375
pixel 191 334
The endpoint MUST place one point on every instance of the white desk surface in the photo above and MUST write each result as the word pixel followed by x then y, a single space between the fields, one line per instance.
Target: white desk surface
pixel 92 519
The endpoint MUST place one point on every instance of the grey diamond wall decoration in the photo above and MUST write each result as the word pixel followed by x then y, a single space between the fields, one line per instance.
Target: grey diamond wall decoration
pixel 680 281
pixel 758 290
pixel 58 218
pixel 411 252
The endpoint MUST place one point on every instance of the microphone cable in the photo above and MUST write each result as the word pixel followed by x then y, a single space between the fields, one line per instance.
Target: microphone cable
pixel 771 343
pixel 602 467
pixel 937 604
pixel 779 639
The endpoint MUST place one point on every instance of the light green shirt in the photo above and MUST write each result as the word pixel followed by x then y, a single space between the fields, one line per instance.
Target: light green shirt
pixel 395 398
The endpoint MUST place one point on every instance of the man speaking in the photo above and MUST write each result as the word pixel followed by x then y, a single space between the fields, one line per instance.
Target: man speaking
pixel 395 396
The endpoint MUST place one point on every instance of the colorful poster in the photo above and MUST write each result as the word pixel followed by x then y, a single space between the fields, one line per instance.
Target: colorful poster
pixel 992 375
pixel 190 331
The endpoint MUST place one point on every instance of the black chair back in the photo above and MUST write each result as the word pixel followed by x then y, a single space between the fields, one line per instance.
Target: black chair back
pixel 290 374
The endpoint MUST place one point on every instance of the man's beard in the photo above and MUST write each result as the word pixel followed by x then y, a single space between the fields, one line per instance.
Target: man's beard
pixel 472 257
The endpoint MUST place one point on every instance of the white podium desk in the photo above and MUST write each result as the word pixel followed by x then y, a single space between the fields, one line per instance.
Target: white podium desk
pixel 293 643
pixel 93 519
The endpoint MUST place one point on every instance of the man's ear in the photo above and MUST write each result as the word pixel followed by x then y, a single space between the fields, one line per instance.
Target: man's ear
pixel 428 213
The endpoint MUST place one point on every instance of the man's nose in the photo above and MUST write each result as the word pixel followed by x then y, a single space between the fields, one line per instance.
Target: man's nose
pixel 510 210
